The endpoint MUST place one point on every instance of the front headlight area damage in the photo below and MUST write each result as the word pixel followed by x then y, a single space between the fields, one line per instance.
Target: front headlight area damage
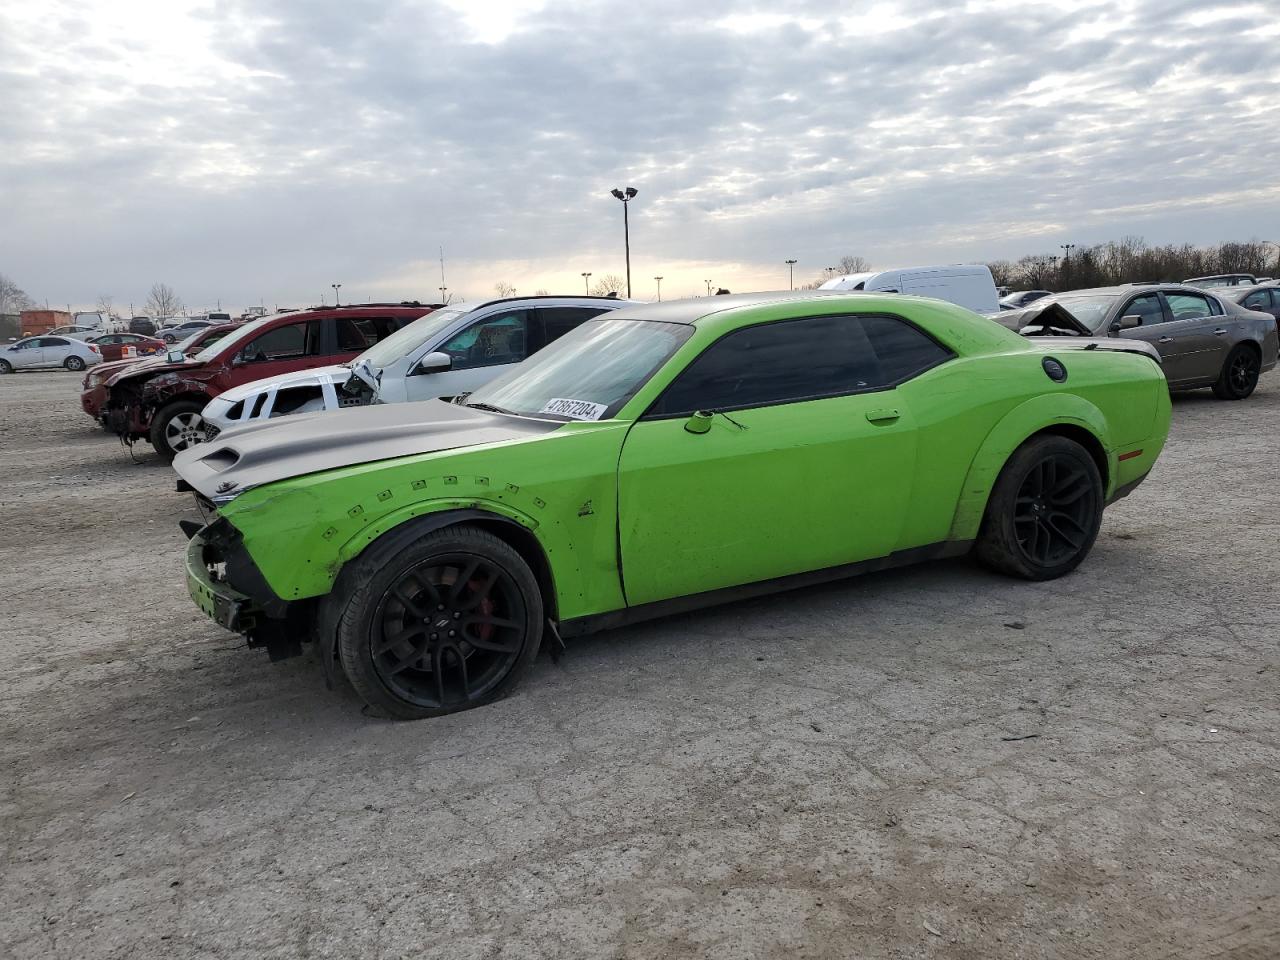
pixel 227 585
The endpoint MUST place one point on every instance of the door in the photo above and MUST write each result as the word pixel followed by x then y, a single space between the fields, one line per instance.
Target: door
pixel 110 346
pixel 26 354
pixel 478 353
pixel 1264 300
pixel 354 335
pixel 1203 332
pixel 552 323
pixel 806 462
pixel 282 349
pixel 54 350
pixel 1157 329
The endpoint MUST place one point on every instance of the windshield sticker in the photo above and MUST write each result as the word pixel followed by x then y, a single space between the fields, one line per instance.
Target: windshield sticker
pixel 575 409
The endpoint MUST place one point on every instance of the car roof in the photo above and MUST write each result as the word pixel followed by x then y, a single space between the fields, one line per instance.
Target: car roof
pixel 546 297
pixel 697 308
pixel 1129 288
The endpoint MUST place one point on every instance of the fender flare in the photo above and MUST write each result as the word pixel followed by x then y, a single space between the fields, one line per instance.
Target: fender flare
pixel 397 530
pixel 1037 415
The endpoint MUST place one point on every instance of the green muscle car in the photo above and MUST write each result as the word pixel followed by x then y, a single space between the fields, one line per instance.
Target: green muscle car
pixel 657 459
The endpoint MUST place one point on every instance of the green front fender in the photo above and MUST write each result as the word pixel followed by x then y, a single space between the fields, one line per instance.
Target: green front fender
pixel 1022 422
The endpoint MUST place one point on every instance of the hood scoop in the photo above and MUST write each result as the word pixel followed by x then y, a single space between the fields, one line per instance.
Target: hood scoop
pixel 266 451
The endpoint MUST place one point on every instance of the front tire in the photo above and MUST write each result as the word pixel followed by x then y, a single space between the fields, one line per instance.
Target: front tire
pixel 177 427
pixel 1239 376
pixel 1045 510
pixel 74 364
pixel 5 367
pixel 450 622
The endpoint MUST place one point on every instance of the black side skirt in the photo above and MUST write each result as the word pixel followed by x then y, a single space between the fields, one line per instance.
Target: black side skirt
pixel 665 608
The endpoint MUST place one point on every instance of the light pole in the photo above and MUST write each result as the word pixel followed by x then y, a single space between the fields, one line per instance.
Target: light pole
pixel 791 266
pixel 336 287
pixel 708 283
pixel 586 282
pixel 659 279
pixel 1066 262
pixel 626 196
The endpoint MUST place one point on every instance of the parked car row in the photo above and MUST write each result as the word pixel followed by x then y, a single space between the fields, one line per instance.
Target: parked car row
pixel 573 463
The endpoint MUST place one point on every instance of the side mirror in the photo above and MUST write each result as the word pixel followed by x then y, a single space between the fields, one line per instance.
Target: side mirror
pixel 436 362
pixel 1125 323
pixel 700 422
pixel 175 356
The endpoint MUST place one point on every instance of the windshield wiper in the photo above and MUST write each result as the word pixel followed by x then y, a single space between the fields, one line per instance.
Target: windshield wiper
pixel 491 408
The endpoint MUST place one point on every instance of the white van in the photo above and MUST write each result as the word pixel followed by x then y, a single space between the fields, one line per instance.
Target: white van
pixel 967 284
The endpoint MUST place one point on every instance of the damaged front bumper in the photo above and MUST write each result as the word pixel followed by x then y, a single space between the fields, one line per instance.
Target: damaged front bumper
pixel 226 584
pixel 221 603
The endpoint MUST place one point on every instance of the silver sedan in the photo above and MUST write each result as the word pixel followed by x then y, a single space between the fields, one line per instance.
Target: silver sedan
pixel 35 352
pixel 1204 340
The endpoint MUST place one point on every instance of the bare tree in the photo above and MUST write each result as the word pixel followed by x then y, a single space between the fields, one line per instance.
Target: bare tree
pixel 504 289
pixel 105 303
pixel 163 301
pixel 540 292
pixel 13 298
pixel 850 264
pixel 609 283
pixel 1002 272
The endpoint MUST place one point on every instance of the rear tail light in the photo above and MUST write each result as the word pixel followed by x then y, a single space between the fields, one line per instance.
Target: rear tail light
pixel 94 348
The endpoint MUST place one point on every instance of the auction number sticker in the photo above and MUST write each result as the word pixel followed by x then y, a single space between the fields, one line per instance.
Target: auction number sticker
pixel 575 409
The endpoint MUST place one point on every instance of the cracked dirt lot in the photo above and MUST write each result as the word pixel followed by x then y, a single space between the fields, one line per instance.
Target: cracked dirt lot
pixel 835 772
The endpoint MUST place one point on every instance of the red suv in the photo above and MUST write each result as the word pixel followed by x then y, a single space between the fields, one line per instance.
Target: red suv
pixel 93 395
pixel 162 402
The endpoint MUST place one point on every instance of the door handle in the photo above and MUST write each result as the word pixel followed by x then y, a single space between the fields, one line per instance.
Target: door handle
pixel 1165 340
pixel 1220 332
pixel 883 415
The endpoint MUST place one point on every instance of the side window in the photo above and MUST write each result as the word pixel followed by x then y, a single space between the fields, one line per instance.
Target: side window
pixel 53 342
pixel 497 339
pixel 1147 307
pixel 358 334
pixel 1258 300
pixel 903 350
pixel 555 322
pixel 284 343
pixel 1188 306
pixel 787 361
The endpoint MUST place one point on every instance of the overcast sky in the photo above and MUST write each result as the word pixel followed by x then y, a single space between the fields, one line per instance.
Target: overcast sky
pixel 267 148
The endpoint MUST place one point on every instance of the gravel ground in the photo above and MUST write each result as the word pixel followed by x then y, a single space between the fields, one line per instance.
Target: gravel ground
pixel 930 762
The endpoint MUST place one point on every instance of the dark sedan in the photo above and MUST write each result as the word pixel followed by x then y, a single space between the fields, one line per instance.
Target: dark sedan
pixel 1205 340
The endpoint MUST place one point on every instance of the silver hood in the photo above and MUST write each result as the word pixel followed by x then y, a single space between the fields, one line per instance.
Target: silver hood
pixel 270 450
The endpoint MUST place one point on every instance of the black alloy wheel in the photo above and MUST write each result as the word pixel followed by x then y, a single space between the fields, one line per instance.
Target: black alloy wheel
pixel 1053 511
pixel 444 622
pixel 447 631
pixel 1239 375
pixel 1044 511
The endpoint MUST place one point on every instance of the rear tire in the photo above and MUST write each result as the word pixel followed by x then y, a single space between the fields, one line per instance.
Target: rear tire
pixel 1045 510
pixel 74 364
pixel 1239 376
pixel 177 427
pixel 450 622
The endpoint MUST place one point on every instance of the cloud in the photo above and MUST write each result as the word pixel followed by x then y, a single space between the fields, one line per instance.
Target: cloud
pixel 263 148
